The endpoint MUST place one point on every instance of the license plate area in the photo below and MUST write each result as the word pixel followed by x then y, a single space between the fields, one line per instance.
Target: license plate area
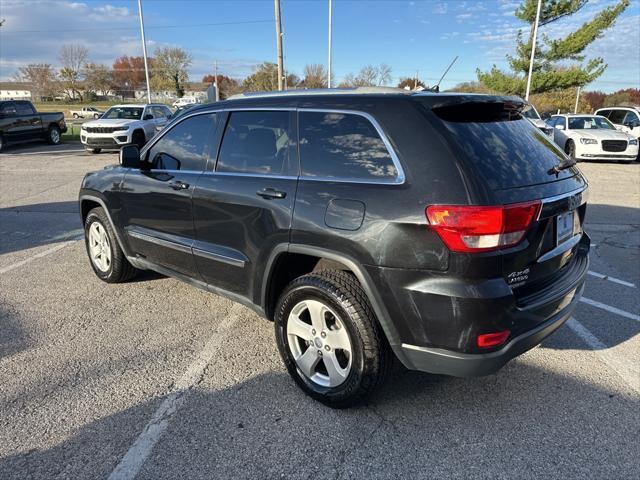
pixel 565 226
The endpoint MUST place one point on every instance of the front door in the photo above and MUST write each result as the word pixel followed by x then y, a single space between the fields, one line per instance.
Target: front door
pixel 158 214
pixel 244 208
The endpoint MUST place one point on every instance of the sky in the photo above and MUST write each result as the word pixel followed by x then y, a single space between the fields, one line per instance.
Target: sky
pixel 409 36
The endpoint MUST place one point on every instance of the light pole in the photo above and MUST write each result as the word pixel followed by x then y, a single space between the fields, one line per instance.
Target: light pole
pixel 279 43
pixel 144 52
pixel 533 50
pixel 329 49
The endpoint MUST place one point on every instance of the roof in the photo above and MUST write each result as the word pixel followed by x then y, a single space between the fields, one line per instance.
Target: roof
pixel 137 105
pixel 324 91
pixel 575 115
pixel 621 107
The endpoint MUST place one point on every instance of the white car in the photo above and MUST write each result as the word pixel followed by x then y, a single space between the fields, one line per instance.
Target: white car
pixel 122 125
pixel 86 112
pixel 184 101
pixel 626 119
pixel 530 113
pixel 592 137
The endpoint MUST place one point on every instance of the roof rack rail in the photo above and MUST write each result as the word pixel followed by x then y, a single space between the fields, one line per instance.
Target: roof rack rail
pixel 324 91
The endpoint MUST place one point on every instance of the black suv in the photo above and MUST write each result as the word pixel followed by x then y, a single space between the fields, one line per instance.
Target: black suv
pixel 442 229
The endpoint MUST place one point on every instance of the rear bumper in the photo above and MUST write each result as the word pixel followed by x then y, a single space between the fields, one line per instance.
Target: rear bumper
pixel 447 362
pixel 438 318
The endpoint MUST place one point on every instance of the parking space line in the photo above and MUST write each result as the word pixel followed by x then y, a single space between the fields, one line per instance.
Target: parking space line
pixel 602 276
pixel 140 450
pixel 49 152
pixel 44 253
pixel 609 308
pixel 625 369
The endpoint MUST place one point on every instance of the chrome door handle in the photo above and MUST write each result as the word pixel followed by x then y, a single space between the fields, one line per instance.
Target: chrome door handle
pixel 271 193
pixel 178 185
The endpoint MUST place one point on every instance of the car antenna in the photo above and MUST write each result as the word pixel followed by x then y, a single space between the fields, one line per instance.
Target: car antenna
pixel 436 87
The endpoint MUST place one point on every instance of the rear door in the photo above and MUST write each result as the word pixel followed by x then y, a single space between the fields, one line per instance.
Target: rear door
pixel 243 209
pixel 158 214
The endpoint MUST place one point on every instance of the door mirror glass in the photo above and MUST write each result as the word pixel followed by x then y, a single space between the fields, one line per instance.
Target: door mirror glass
pixel 148 116
pixel 130 156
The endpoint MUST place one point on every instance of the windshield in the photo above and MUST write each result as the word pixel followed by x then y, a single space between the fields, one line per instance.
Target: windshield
pixel 126 113
pixel 530 112
pixel 590 123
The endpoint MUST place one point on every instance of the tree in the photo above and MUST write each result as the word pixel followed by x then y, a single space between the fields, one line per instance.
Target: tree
pixel 471 87
pixel 98 78
pixel 368 76
pixel 128 74
pixel 42 78
pixel 73 59
pixel 263 79
pixel 411 82
pixel 551 70
pixel 170 69
pixel 228 86
pixel 562 100
pixel 629 97
pixel 315 76
pixel 596 99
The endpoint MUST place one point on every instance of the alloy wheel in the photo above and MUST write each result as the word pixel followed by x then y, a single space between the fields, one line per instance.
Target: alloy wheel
pixel 99 247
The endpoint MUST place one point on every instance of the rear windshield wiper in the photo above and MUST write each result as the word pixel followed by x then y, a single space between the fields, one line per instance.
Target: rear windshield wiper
pixel 563 165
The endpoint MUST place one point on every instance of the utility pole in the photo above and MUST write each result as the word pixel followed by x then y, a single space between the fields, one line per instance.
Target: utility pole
pixel 215 80
pixel 575 110
pixel 279 43
pixel 533 49
pixel 415 84
pixel 329 49
pixel 144 52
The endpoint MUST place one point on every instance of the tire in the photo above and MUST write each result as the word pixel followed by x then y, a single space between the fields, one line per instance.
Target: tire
pixel 75 115
pixel 96 116
pixel 570 149
pixel 94 150
pixel 53 136
pixel 138 139
pixel 117 269
pixel 343 310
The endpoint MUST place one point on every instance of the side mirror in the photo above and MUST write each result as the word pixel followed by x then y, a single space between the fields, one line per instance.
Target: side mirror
pixel 130 156
pixel 148 116
pixel 560 127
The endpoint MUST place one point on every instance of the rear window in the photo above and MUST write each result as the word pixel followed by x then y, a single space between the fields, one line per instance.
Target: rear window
pixel 506 150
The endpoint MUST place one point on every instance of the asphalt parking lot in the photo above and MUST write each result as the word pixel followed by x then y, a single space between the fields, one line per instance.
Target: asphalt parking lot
pixel 156 379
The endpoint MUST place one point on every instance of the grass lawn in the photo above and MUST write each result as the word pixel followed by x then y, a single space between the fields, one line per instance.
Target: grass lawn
pixel 71 136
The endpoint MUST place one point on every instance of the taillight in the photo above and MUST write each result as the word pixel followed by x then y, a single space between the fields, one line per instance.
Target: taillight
pixel 487 340
pixel 482 228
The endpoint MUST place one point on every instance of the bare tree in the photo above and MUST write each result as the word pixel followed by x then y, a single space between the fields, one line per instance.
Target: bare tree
pixel 315 76
pixel 98 78
pixel 369 76
pixel 73 58
pixel 42 78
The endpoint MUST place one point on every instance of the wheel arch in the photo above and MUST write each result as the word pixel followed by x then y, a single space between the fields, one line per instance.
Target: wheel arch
pixel 87 203
pixel 273 282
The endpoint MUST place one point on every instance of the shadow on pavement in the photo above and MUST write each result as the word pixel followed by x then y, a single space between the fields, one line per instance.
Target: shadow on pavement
pixel 13 337
pixel 525 422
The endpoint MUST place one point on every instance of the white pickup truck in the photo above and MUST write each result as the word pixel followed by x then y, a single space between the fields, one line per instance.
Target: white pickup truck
pixel 86 112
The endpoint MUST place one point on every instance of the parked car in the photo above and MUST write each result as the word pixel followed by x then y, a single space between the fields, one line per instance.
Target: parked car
pixel 592 137
pixel 531 114
pixel 178 111
pixel 86 112
pixel 20 122
pixel 626 119
pixel 124 124
pixel 184 101
pixel 439 228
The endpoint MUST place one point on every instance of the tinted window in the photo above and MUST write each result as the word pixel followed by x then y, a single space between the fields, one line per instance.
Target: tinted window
pixel 184 146
pixel 24 108
pixel 339 145
pixel 604 113
pixel 617 116
pixel 631 118
pixel 8 109
pixel 506 154
pixel 256 142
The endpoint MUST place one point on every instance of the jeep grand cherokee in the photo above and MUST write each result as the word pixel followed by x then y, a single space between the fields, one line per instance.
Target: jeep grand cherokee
pixel 442 229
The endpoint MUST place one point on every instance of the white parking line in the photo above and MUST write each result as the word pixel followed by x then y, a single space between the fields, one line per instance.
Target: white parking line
pixel 627 370
pixel 138 453
pixel 46 152
pixel 609 308
pixel 44 253
pixel 602 276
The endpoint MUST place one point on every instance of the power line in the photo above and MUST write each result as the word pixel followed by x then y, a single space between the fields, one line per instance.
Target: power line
pixel 147 27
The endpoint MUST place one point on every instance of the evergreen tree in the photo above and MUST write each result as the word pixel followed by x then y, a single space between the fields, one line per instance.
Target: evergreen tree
pixel 550 69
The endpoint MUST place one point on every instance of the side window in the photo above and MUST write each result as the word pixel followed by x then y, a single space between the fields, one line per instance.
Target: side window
pixel 24 108
pixel 604 113
pixel 342 145
pixel 256 142
pixel 158 112
pixel 184 146
pixel 8 109
pixel 617 116
pixel 631 118
pixel 553 121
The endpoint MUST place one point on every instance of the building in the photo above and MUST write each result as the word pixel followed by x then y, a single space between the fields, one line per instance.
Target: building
pixel 15 91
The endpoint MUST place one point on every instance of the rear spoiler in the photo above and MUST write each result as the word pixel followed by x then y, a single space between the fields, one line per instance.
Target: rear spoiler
pixel 473 108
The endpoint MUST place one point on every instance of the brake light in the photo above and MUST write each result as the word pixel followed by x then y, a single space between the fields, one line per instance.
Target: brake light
pixel 482 228
pixel 487 340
